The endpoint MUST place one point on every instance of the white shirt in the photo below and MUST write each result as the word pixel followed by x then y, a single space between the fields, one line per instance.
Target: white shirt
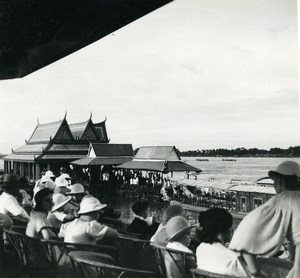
pixel 171 267
pixel 79 231
pixel 219 259
pixel 10 206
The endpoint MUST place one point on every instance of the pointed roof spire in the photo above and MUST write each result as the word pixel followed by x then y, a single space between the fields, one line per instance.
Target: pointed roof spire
pixel 91 115
pixel 38 122
pixel 65 114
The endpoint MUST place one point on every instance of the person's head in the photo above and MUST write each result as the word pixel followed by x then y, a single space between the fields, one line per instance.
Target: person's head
pixel 11 184
pixel 141 208
pixel 216 225
pixel 77 192
pixel 43 200
pixel 179 229
pixel 50 175
pixel 174 210
pixel 286 176
pixel 60 202
pixel 63 170
pixel 90 208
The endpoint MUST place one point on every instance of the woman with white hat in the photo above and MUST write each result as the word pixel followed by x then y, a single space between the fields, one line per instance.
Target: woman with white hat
pixel 60 212
pixel 263 231
pixel 86 229
pixel 178 230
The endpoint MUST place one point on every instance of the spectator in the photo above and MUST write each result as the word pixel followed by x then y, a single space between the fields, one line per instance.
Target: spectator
pixel 178 230
pixel 161 237
pixel 77 193
pixel 142 224
pixel 8 199
pixel 38 225
pixel 263 231
pixel 212 255
pixel 60 212
pixel 86 229
pixel 62 182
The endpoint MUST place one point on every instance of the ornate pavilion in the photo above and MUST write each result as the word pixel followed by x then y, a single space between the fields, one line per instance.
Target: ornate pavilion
pixel 53 145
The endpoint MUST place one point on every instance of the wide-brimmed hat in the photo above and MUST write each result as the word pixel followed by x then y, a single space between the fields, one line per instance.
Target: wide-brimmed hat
pixel 45 179
pixel 11 180
pixel 76 188
pixel 287 168
pixel 59 200
pixel 61 181
pixel 177 226
pixel 90 204
pixel 49 174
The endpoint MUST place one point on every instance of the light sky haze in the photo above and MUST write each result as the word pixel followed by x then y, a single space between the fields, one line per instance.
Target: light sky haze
pixel 197 74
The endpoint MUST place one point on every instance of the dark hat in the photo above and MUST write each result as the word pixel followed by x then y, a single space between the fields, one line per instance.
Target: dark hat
pixel 10 180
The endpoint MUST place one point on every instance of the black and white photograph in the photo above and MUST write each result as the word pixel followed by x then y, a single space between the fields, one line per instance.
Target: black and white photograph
pixel 149 138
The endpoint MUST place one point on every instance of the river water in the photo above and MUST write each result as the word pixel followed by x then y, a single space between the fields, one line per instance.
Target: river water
pixel 243 169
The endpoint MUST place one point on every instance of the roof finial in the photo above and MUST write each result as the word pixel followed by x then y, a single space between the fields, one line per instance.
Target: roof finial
pixel 38 122
pixel 105 119
pixel 12 150
pixel 91 115
pixel 26 141
pixel 65 114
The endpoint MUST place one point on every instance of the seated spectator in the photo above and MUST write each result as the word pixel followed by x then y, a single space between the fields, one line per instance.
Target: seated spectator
pixel 142 223
pixel 77 193
pixel 161 237
pixel 8 199
pixel 60 212
pixel 86 229
pixel 62 182
pixel 38 225
pixel 212 254
pixel 178 231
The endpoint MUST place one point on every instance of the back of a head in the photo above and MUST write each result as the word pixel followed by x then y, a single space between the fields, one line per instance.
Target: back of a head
pixel 39 196
pixel 139 206
pixel 174 210
pixel 214 221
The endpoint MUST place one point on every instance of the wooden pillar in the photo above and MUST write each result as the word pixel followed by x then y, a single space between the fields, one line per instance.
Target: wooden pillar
pixel 5 167
pixel 37 171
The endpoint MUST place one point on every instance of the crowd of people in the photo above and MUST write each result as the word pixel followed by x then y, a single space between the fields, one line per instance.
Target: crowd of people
pixel 64 211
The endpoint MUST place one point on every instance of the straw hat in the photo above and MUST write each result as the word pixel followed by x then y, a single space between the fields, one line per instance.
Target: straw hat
pixel 90 204
pixel 45 179
pixel 76 188
pixel 59 200
pixel 10 180
pixel 287 168
pixel 177 226
pixel 49 174
pixel 61 181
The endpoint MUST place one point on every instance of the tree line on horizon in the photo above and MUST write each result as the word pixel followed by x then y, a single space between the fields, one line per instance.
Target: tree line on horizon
pixel 243 152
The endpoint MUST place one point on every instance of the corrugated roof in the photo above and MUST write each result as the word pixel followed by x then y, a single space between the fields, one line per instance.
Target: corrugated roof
pixel 105 149
pixel 18 157
pixel 102 160
pixel 77 129
pixel 257 189
pixel 43 132
pixel 62 156
pixel 155 152
pixel 31 148
pixel 70 147
pixel 203 183
pixel 158 165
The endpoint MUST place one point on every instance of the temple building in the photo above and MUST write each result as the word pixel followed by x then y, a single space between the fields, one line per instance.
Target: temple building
pixel 53 145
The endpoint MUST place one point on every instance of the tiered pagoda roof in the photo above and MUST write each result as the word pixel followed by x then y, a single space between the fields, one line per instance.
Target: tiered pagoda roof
pixel 59 140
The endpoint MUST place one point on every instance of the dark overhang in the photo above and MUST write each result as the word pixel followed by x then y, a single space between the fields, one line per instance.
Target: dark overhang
pixel 35 33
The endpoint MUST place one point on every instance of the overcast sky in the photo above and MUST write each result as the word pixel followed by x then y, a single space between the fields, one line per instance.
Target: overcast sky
pixel 197 74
